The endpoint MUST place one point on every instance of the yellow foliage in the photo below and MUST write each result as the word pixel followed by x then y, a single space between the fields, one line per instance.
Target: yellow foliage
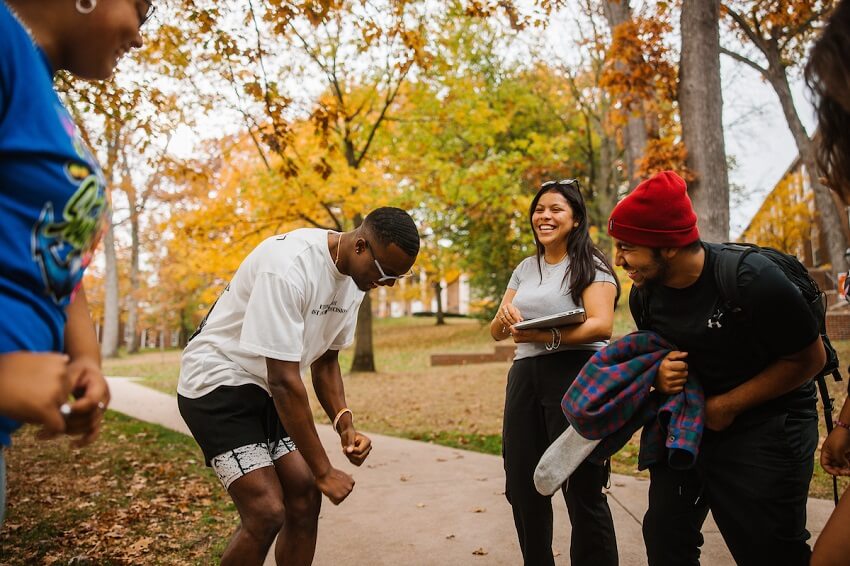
pixel 784 220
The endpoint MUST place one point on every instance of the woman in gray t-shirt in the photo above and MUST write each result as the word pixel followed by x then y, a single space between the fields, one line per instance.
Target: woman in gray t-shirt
pixel 567 271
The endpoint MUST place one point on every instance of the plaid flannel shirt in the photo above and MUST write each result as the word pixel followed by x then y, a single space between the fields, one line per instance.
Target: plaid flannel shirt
pixel 612 397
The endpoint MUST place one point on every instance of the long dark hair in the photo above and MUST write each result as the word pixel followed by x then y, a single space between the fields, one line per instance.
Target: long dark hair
pixel 828 76
pixel 585 257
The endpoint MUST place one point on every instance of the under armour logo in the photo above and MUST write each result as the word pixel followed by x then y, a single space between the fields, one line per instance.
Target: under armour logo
pixel 714 320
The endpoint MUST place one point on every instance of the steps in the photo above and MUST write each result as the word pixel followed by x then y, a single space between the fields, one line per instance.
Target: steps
pixel 501 353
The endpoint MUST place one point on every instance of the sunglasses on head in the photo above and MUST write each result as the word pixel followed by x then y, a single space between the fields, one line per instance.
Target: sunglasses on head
pixel 561 183
pixel 564 183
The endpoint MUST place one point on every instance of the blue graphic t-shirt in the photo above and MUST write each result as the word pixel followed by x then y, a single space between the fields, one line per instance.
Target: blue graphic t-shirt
pixel 52 201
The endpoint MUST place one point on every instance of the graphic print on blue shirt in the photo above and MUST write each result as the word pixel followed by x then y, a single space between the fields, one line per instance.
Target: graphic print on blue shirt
pixel 62 247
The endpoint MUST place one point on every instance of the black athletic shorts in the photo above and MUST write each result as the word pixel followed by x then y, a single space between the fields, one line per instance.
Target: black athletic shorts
pixel 237 428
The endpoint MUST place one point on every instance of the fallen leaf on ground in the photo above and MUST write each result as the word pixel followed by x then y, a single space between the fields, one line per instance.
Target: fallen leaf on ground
pixel 141 545
pixel 479 552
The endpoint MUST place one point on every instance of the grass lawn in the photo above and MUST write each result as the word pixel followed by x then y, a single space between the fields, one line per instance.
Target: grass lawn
pixel 459 406
pixel 139 495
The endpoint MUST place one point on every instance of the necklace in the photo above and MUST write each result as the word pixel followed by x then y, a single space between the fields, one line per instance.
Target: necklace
pixel 338 246
pixel 22 23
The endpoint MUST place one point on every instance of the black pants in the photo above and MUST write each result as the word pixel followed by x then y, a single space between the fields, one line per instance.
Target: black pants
pixel 533 419
pixel 754 477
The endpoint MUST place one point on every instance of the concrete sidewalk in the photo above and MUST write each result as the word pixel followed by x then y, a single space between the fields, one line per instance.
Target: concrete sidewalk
pixel 418 503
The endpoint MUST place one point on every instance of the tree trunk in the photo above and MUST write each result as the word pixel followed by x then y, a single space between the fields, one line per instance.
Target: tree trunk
pixel 441 318
pixel 186 327
pixel 830 221
pixel 605 191
pixel 701 110
pixel 131 334
pixel 634 134
pixel 364 352
pixel 364 357
pixel 111 311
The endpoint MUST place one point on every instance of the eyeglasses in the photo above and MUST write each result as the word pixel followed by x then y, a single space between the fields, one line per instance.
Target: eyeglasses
pixel 143 17
pixel 384 276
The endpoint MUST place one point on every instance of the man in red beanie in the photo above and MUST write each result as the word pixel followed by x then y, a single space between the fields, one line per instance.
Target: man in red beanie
pixel 756 456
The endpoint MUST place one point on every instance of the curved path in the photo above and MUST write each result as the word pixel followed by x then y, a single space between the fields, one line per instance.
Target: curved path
pixel 423 504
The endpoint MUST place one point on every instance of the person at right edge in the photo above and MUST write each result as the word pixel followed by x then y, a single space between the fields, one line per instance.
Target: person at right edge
pixel 756 457
pixel 828 77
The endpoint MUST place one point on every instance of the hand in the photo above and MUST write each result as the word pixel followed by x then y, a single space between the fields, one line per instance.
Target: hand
pixel 355 446
pixel 91 392
pixel 718 416
pixel 524 336
pixel 509 315
pixel 672 373
pixel 336 485
pixel 33 386
pixel 835 451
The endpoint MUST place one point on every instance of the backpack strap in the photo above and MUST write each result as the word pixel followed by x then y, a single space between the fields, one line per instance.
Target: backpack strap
pixel 726 266
pixel 828 405
pixel 642 298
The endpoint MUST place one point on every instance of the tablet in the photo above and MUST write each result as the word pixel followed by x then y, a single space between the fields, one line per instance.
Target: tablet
pixel 574 316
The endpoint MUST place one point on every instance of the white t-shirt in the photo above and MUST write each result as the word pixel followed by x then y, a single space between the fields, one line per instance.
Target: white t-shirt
pixel 287 301
pixel 542 291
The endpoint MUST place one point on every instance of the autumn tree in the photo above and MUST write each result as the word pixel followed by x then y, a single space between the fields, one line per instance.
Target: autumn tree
pixel 618 13
pixel 357 55
pixel 779 32
pixel 473 140
pixel 642 78
pixel 127 122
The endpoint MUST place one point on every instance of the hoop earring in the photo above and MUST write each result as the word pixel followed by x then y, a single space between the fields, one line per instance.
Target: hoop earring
pixel 86 10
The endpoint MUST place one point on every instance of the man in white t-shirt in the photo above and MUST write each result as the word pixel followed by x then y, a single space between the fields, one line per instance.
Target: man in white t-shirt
pixel 291 306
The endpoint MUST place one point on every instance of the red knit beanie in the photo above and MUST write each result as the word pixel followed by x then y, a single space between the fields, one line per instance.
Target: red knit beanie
pixel 657 214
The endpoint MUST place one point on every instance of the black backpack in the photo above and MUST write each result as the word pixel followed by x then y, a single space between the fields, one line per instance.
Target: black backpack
pixel 728 261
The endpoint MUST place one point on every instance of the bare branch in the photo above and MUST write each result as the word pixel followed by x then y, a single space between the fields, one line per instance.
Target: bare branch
pixel 741 59
pixel 391 94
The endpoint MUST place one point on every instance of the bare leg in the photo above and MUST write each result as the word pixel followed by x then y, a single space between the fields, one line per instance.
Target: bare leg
pixel 302 501
pixel 259 499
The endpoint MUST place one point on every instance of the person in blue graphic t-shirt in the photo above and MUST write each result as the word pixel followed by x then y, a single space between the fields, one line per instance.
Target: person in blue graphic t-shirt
pixel 52 207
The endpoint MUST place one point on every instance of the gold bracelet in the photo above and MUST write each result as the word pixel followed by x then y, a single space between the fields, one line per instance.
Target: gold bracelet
pixel 339 416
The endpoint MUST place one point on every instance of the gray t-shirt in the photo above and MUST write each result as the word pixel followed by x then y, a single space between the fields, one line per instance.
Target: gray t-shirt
pixel 535 298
